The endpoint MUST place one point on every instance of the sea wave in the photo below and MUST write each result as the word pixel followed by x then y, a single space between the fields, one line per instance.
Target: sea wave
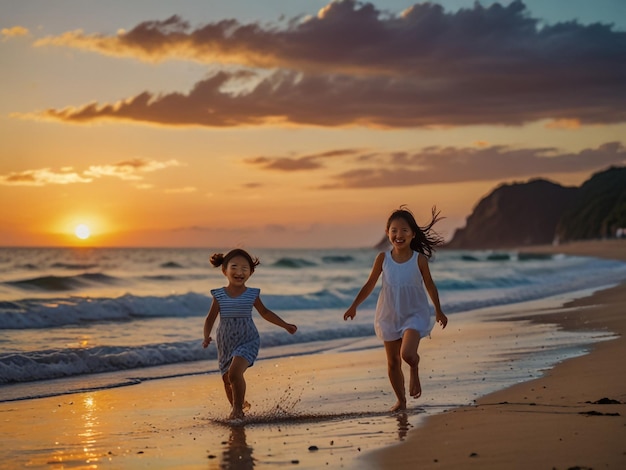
pixel 487 283
pixel 32 314
pixel 337 259
pixel 77 266
pixel 171 265
pixel 293 263
pixel 506 256
pixel 59 363
pixel 36 313
pixel 457 294
pixel 62 283
pixel 138 329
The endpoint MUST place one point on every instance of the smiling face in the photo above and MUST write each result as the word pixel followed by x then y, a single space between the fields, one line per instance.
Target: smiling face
pixel 400 233
pixel 237 271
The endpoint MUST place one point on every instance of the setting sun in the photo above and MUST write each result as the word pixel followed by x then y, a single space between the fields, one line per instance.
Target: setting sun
pixel 82 231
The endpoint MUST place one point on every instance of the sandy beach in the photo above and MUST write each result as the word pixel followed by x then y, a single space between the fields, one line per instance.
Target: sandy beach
pixel 329 408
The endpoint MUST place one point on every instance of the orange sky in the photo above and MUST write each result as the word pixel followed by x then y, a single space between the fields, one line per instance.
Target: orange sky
pixel 163 124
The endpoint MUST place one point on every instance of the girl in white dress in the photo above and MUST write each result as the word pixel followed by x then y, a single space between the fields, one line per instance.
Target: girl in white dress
pixel 403 314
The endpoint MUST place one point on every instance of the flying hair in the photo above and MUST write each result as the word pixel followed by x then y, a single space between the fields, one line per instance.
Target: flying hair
pixel 426 239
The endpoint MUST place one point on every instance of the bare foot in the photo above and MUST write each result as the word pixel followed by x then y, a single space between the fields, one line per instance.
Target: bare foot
pixel 399 406
pixel 415 388
pixel 246 406
pixel 236 414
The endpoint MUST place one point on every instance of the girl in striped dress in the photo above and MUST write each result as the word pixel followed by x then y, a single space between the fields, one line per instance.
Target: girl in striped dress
pixel 237 337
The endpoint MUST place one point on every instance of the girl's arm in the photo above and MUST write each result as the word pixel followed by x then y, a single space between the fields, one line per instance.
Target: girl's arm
pixel 422 262
pixel 367 288
pixel 209 322
pixel 271 317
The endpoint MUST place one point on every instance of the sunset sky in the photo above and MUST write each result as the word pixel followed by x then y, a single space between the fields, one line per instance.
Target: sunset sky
pixel 295 123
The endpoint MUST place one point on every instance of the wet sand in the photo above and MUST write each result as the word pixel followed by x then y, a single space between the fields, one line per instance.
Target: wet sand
pixel 307 412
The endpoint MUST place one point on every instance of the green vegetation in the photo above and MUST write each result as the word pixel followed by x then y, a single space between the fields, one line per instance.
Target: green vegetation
pixel 598 210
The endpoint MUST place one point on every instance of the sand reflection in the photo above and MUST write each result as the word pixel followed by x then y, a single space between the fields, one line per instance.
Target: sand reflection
pixel 403 425
pixel 238 454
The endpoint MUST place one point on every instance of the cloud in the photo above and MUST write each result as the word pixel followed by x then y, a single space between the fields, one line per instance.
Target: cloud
pixel 184 190
pixel 307 162
pixel 440 165
pixel 129 169
pixel 42 177
pixel 456 165
pixel 13 32
pixel 355 65
pixel 126 170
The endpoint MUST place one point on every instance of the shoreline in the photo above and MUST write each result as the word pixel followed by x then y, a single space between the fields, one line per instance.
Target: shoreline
pixel 559 420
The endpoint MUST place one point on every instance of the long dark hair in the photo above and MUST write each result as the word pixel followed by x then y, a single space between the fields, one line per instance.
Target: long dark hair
pixel 426 239
pixel 219 259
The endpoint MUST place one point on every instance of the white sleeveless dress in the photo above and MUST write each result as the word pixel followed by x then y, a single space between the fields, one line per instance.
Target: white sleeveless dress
pixel 402 303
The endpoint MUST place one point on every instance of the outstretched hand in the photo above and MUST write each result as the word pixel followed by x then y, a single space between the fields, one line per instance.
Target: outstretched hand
pixel 350 313
pixel 442 319
pixel 291 328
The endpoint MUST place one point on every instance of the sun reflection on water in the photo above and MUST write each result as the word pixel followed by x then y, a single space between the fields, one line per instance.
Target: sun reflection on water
pixel 79 448
pixel 90 432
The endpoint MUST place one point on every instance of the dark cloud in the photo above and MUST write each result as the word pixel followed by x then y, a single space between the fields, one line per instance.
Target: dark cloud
pixel 437 165
pixel 307 162
pixel 286 163
pixel 354 65
pixel 456 165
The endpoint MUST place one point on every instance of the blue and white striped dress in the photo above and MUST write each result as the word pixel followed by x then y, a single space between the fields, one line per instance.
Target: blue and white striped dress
pixel 236 333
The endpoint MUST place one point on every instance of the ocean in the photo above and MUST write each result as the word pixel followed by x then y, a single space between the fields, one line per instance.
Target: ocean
pixel 76 319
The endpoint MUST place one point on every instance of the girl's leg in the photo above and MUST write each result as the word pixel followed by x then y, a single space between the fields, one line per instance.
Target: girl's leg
pixel 238 385
pixel 408 352
pixel 227 388
pixel 394 370
pixel 229 392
